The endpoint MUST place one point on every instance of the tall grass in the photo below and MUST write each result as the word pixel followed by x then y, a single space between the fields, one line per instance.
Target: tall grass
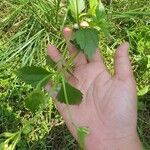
pixel 30 26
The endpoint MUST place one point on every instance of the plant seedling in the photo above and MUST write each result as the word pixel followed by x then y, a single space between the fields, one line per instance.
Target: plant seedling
pixel 88 20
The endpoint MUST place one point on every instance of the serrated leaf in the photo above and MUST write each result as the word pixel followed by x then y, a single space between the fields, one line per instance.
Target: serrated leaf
pixel 82 132
pixel 49 61
pixel 76 7
pixel 93 4
pixel 88 40
pixel 74 95
pixel 36 100
pixel 33 75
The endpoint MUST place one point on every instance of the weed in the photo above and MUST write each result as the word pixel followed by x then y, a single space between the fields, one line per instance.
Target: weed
pixel 25 30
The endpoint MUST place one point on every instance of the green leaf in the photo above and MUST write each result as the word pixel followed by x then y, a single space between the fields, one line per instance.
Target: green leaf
pixel 74 96
pixel 6 134
pixel 27 129
pixel 3 146
pixel 100 19
pixel 33 75
pixel 93 4
pixel 141 105
pixel 76 7
pixel 15 141
pixel 143 90
pixel 82 132
pixel 148 63
pixel 49 61
pixel 88 40
pixel 100 11
pixel 36 100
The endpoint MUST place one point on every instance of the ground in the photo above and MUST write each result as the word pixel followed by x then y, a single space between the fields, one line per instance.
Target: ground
pixel 25 30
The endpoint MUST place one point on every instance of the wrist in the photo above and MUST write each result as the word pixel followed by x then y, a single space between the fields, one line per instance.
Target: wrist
pixel 96 141
pixel 130 142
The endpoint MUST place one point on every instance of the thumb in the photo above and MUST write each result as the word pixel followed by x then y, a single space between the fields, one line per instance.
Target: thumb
pixel 123 69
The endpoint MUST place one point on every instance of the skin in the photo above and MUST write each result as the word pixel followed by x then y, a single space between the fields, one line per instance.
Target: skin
pixel 109 106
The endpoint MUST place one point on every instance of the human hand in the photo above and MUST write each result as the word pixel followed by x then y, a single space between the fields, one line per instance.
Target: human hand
pixel 109 106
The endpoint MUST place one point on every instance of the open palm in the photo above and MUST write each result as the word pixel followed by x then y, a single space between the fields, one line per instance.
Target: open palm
pixel 108 108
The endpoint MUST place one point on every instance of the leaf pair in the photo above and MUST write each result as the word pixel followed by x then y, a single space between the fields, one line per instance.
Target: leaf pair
pixel 39 77
pixel 96 8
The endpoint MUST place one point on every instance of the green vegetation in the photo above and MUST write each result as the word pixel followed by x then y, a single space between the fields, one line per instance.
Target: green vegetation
pixel 25 30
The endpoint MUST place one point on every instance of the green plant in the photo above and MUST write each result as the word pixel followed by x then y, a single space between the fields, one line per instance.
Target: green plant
pixel 25 29
pixel 38 77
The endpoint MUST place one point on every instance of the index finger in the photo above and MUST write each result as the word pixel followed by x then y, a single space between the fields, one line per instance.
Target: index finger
pixel 80 59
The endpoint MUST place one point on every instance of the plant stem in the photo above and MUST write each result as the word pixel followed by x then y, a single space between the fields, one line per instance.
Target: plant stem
pixel 40 83
pixel 77 19
pixel 67 102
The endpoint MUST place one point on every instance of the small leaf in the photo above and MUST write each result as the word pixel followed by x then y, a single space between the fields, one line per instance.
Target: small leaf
pixel 74 95
pixel 143 90
pixel 82 132
pixel 15 141
pixel 36 100
pixel 141 105
pixel 76 7
pixel 100 11
pixel 6 134
pixel 3 146
pixel 88 40
pixel 33 75
pixel 100 19
pixel 93 4
pixel 148 63
pixel 49 61
pixel 27 129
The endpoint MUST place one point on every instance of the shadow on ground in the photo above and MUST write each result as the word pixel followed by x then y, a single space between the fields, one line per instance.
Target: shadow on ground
pixel 59 138
pixel 144 119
